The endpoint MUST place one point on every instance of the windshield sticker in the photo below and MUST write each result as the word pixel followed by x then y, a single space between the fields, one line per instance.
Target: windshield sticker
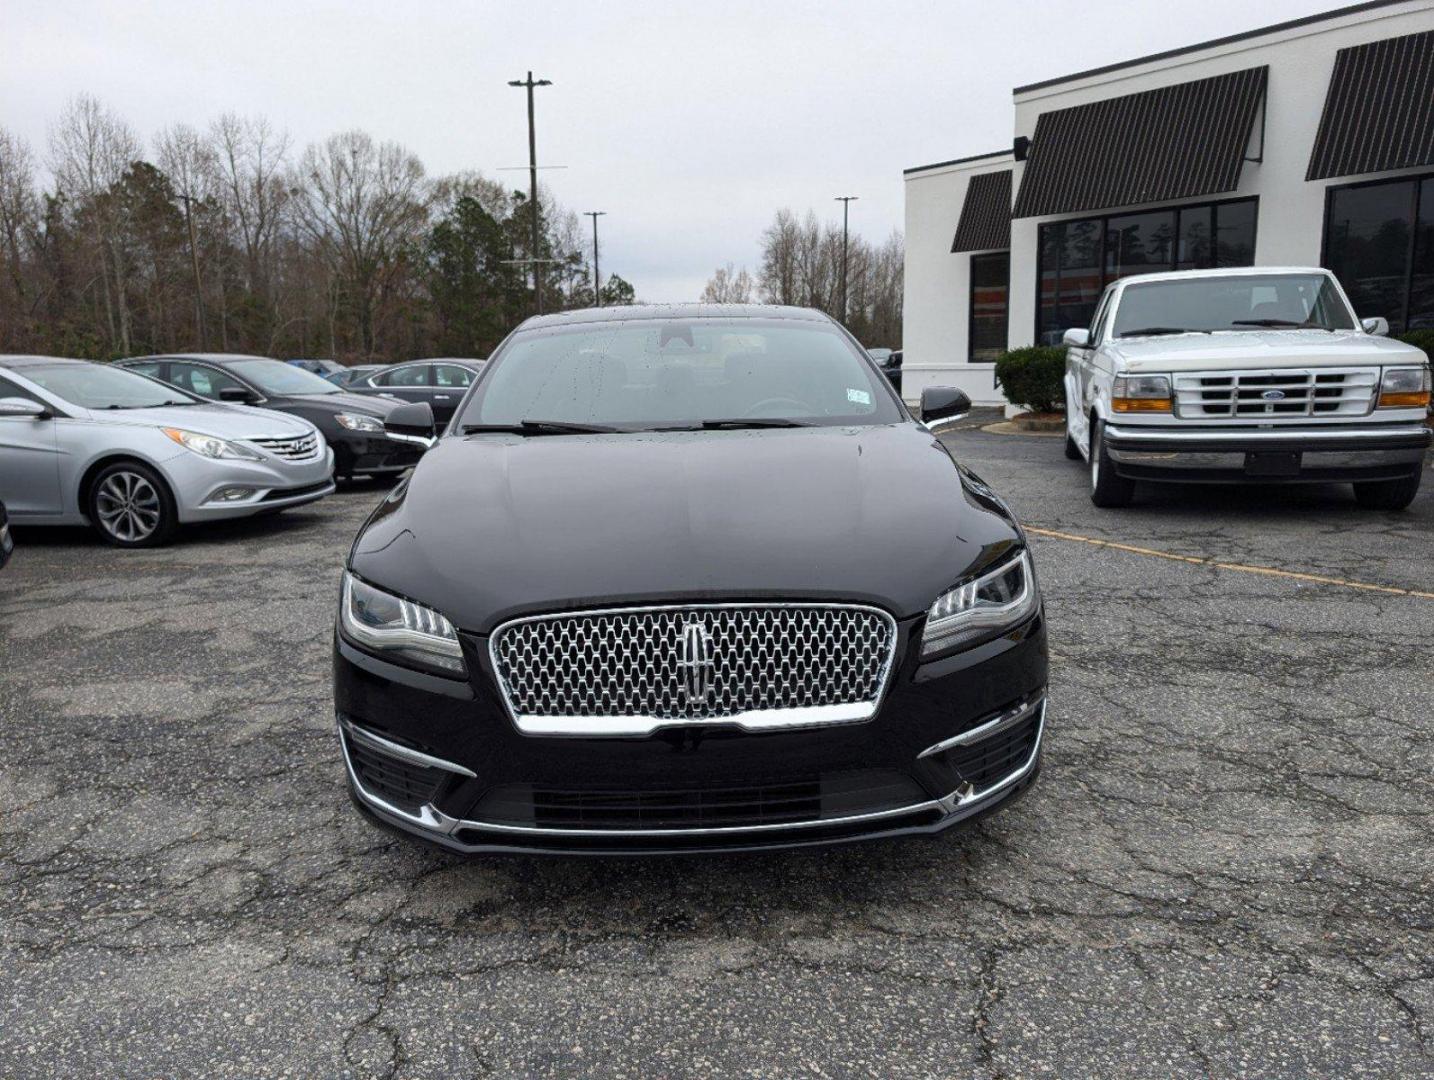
pixel 859 397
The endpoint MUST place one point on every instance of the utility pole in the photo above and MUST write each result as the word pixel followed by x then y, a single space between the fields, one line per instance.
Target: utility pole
pixel 529 83
pixel 597 278
pixel 198 287
pixel 846 201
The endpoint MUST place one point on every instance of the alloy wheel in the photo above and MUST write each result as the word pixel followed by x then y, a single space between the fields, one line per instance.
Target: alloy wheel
pixel 128 507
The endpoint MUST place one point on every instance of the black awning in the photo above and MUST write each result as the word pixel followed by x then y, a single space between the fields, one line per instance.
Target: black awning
pixel 985 223
pixel 1154 146
pixel 1379 112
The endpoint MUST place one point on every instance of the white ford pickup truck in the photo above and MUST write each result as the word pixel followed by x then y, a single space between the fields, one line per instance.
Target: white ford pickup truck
pixel 1259 375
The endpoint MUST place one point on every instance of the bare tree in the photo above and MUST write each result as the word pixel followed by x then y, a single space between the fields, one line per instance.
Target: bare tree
pixel 360 203
pixel 189 161
pixel 90 149
pixel 728 287
pixel 19 218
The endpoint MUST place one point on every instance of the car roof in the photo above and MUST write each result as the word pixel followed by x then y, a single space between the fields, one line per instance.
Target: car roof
pixel 20 363
pixel 628 312
pixel 1224 271
pixel 210 357
pixel 469 360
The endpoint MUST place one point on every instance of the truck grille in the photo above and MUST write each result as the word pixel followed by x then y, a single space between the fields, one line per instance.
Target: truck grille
pixel 1226 394
pixel 631 671
pixel 299 449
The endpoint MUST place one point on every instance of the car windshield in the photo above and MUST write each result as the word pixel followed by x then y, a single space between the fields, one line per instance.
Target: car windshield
pixel 670 373
pixel 280 379
pixel 1235 302
pixel 97 386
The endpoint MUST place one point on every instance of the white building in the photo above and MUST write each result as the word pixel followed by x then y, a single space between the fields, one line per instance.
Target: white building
pixel 1306 143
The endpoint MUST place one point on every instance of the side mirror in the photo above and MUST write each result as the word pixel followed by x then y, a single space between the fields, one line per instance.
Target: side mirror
pixel 412 422
pixel 238 394
pixel 1076 338
pixel 943 403
pixel 24 409
pixel 1379 326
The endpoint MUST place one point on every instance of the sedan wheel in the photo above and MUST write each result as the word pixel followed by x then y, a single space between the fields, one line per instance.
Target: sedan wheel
pixel 131 507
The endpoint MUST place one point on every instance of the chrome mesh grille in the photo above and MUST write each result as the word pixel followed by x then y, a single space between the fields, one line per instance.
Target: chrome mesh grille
pixel 298 449
pixel 692 664
pixel 1273 394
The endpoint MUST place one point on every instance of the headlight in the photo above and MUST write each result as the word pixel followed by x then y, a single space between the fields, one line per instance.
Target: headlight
pixel 1404 388
pixel 1140 393
pixel 211 447
pixel 983 605
pixel 399 629
pixel 359 423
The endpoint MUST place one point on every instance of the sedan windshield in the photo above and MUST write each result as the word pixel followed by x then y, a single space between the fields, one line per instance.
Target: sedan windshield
pixel 670 373
pixel 1236 302
pixel 279 379
pixel 97 386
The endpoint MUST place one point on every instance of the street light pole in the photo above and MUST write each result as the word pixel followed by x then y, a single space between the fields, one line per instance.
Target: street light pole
pixel 529 83
pixel 198 287
pixel 846 201
pixel 597 278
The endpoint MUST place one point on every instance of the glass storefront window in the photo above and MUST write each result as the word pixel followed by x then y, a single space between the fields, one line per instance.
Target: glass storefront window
pixel 990 287
pixel 1421 283
pixel 1079 258
pixel 1370 235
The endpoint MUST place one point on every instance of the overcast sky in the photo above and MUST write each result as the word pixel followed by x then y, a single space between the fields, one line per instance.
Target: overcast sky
pixel 689 123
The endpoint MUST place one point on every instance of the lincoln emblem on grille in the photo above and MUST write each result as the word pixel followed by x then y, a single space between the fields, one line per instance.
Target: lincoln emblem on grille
pixel 694 658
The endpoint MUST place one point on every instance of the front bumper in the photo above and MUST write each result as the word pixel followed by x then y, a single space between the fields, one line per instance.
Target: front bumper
pixel 440 759
pixel 1268 455
pixel 372 455
pixel 272 484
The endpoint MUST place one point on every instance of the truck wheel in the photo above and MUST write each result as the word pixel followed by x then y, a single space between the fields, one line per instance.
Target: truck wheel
pixel 1388 494
pixel 1107 489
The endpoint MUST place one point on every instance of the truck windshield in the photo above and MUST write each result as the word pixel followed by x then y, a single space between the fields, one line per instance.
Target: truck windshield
pixel 1236 302
pixel 680 373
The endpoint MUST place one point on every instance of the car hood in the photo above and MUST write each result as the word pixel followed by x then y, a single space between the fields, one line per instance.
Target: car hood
pixel 493 526
pixel 1234 349
pixel 224 421
pixel 345 402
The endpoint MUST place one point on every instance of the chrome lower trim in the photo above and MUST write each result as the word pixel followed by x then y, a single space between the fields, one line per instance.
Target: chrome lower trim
pixel 1235 459
pixel 994 726
pixel 429 819
pixel 403 753
pixel 1255 434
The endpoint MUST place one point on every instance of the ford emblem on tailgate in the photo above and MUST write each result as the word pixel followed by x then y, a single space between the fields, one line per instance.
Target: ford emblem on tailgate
pixel 1273 395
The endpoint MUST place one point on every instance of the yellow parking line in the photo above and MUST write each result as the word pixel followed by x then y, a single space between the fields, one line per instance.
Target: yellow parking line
pixel 1268 571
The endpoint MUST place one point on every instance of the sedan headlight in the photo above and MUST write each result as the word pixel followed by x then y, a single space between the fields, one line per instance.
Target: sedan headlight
pixel 360 423
pixel 983 606
pixel 399 629
pixel 1404 388
pixel 211 446
pixel 1140 393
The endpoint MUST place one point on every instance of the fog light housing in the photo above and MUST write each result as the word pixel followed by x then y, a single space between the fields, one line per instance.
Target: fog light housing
pixel 232 494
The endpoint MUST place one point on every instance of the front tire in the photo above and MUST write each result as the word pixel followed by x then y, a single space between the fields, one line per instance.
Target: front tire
pixel 1388 494
pixel 131 506
pixel 1107 489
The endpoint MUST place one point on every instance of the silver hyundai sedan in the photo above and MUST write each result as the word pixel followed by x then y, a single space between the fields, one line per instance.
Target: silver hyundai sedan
pixel 89 443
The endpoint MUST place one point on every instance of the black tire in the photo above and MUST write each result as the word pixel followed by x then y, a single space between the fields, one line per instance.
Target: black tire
pixel 1388 494
pixel 1107 489
pixel 131 506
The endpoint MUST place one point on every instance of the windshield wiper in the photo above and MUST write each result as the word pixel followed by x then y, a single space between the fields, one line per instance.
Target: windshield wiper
pixel 1152 331
pixel 1276 322
pixel 738 422
pixel 539 427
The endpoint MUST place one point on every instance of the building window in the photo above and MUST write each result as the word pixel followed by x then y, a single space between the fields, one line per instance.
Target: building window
pixel 1379 241
pixel 1079 258
pixel 990 286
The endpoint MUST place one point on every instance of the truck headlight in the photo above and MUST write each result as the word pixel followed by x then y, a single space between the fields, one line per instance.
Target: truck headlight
pixel 355 422
pixel 983 605
pixel 1141 393
pixel 398 629
pixel 211 446
pixel 1404 388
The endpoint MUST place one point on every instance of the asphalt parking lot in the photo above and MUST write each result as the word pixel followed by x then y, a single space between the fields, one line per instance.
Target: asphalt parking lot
pixel 1227 867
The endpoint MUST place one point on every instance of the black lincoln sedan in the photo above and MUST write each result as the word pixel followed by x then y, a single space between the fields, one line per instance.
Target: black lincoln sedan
pixel 352 424
pixel 683 578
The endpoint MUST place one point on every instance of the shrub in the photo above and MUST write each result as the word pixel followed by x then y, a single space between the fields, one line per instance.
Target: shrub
pixel 1033 376
pixel 1420 339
